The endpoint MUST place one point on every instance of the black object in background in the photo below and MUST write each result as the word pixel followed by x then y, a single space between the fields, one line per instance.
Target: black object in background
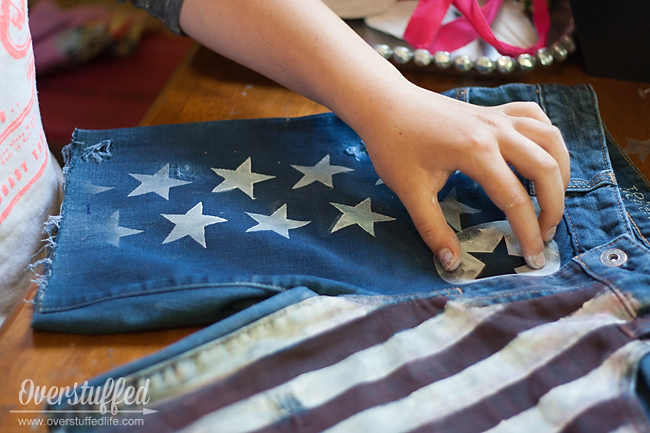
pixel 614 37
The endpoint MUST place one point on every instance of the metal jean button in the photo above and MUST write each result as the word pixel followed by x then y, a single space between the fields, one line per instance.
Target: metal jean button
pixel 613 257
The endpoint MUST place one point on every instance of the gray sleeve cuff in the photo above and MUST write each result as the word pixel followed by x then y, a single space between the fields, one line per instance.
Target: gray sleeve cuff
pixel 168 11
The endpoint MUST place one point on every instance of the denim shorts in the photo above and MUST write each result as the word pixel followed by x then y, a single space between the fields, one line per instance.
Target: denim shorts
pixel 328 311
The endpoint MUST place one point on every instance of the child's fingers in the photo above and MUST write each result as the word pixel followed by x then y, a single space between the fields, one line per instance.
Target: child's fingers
pixel 525 109
pixel 508 194
pixel 547 137
pixel 424 209
pixel 535 164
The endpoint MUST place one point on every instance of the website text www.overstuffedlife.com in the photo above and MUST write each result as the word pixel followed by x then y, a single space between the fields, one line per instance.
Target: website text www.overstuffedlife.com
pixel 77 420
pixel 111 404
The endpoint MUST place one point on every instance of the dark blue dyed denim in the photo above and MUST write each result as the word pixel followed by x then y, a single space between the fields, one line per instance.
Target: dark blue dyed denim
pixel 124 260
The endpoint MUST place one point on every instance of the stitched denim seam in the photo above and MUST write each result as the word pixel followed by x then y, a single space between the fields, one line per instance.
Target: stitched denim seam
pixel 409 297
pixel 605 152
pixel 622 211
pixel 190 353
pixel 638 230
pixel 163 290
pixel 601 138
pixel 372 299
pixel 603 148
pixel 573 230
pixel 595 181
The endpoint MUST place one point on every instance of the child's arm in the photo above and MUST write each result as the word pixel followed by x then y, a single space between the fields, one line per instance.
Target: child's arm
pixel 415 138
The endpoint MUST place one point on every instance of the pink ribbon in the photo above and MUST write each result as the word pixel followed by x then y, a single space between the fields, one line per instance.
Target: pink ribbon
pixel 425 29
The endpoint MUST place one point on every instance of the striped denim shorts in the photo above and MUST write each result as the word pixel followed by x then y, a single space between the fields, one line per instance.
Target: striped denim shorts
pixel 387 349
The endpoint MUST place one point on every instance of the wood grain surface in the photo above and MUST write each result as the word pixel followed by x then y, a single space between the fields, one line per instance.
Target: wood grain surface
pixel 206 87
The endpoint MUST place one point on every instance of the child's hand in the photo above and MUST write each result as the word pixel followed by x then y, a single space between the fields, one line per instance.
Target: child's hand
pixel 417 144
pixel 416 138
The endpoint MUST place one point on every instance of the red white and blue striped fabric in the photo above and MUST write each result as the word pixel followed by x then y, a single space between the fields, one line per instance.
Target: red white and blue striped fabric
pixel 558 363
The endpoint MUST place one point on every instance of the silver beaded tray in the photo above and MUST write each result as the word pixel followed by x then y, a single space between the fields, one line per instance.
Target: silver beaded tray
pixel 560 45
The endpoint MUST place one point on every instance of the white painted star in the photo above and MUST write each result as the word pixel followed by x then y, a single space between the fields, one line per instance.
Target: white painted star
pixel 114 231
pixel 191 224
pixel 159 183
pixel 322 172
pixel 452 209
pixel 277 222
pixel 242 178
pixel 94 189
pixel 639 148
pixel 361 215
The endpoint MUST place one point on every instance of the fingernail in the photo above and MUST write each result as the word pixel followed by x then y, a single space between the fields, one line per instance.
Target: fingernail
pixel 536 262
pixel 447 260
pixel 550 234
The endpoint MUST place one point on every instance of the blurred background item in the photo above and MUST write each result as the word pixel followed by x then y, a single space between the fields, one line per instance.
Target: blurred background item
pixel 99 64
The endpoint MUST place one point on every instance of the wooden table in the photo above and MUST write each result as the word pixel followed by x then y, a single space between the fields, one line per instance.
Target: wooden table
pixel 208 87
